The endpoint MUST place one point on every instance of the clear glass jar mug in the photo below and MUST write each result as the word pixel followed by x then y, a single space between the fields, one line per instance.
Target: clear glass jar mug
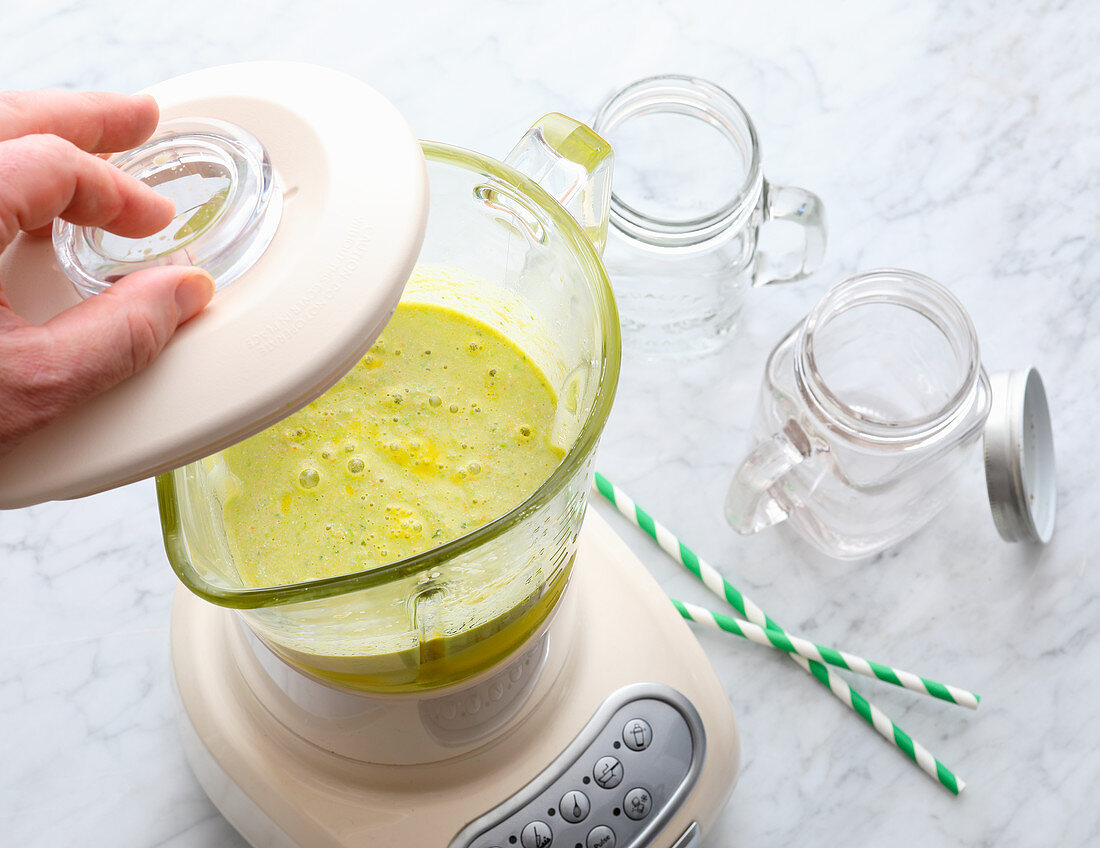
pixel 686 215
pixel 867 410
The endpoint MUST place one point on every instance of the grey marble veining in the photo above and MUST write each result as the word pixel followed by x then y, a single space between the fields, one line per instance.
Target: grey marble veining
pixel 959 141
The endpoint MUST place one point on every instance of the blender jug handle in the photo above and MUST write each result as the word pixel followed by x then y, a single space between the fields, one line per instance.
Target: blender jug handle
pixel 574 165
pixel 750 505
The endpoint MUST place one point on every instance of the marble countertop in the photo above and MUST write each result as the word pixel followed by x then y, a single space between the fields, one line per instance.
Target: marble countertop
pixel 959 141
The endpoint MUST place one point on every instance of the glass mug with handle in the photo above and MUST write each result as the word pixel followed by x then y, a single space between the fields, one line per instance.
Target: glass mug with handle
pixel 682 250
pixel 866 411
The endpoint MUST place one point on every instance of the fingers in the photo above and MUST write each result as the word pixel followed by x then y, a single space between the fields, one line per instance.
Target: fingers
pixel 94 121
pixel 93 346
pixel 113 335
pixel 43 177
pixel 42 232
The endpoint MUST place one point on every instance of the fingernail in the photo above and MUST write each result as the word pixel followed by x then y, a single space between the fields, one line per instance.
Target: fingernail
pixel 151 99
pixel 193 292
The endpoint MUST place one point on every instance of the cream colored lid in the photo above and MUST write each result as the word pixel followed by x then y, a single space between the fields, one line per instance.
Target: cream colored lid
pixel 305 193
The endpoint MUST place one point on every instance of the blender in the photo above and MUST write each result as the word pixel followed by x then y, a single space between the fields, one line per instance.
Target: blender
pixel 527 683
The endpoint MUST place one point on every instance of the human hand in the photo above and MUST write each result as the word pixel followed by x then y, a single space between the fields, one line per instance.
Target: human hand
pixel 48 169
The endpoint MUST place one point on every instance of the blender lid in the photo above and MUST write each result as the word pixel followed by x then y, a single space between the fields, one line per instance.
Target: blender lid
pixel 1019 457
pixel 305 194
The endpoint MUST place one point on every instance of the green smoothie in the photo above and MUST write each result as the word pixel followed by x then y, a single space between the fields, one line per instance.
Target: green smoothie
pixel 441 427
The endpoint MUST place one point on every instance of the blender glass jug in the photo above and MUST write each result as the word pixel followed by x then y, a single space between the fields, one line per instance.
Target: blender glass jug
pixel 500 248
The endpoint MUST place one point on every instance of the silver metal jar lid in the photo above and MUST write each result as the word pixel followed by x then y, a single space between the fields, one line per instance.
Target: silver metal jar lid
pixel 1019 457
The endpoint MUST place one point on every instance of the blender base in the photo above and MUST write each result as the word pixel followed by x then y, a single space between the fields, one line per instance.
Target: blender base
pixel 616 638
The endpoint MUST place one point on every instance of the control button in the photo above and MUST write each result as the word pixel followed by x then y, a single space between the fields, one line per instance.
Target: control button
pixel 600 836
pixel 536 835
pixel 637 734
pixel 574 806
pixel 637 803
pixel 608 772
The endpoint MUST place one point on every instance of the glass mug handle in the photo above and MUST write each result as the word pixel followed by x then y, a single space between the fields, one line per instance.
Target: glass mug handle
pixel 750 506
pixel 786 203
pixel 572 164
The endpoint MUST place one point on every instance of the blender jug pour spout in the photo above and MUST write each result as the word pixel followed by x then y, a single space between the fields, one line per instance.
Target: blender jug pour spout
pixel 574 165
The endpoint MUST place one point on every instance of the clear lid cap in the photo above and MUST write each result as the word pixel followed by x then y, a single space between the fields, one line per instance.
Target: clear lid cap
pixel 228 205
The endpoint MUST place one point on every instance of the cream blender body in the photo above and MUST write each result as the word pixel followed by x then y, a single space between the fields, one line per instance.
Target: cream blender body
pixel 472 724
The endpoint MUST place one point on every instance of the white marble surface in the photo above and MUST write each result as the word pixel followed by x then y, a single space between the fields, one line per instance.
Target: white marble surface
pixel 961 141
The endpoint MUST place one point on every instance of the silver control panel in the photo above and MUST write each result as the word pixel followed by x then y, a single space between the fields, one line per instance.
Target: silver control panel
pixel 615 786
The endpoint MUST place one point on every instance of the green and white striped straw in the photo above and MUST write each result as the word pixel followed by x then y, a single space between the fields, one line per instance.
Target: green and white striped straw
pixel 820 653
pixel 717 584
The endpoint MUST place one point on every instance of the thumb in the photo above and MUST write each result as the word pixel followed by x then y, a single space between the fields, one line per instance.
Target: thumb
pixel 107 338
